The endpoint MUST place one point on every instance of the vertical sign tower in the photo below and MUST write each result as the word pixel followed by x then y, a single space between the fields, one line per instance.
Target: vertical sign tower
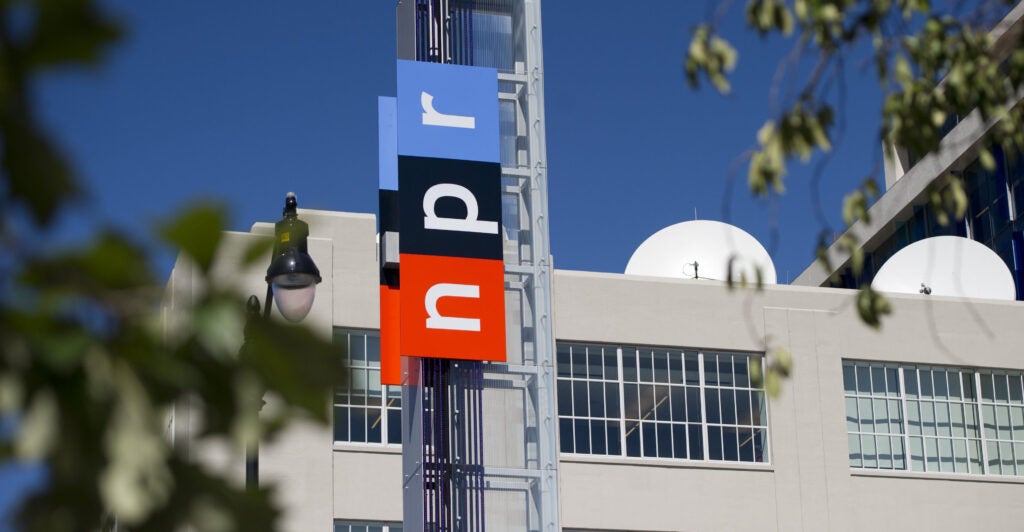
pixel 441 197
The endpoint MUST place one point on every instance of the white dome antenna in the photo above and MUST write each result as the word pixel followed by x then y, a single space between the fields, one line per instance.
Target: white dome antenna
pixel 946 266
pixel 702 249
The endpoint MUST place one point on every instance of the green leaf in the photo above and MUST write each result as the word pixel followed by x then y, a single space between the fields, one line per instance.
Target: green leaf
pixel 197 232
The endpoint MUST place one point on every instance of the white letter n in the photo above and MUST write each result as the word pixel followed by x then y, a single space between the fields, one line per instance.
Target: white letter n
pixel 436 321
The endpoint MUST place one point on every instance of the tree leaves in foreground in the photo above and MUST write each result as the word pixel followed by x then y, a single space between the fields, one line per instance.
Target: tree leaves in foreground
pixel 935 61
pixel 89 368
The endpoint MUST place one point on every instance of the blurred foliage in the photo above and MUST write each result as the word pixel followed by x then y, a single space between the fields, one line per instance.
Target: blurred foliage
pixel 932 60
pixel 91 366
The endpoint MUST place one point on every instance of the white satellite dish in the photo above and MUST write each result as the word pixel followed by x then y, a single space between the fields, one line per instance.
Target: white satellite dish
pixel 702 249
pixel 946 266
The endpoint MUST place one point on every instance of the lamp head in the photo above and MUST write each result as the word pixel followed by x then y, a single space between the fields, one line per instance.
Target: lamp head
pixel 292 274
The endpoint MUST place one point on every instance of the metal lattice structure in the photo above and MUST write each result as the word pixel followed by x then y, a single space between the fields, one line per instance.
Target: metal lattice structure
pixel 518 429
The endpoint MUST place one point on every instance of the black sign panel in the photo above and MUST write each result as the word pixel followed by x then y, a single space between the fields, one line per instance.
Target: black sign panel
pixel 450 207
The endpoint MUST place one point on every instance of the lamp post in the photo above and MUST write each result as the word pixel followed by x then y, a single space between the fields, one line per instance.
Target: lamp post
pixel 291 281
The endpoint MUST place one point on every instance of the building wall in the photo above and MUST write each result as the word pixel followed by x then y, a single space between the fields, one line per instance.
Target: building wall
pixel 808 484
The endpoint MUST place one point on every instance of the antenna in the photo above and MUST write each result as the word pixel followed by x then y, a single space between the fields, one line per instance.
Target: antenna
pixel 705 245
pixel 946 266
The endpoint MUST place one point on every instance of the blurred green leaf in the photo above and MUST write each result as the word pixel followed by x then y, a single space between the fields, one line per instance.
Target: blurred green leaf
pixel 197 232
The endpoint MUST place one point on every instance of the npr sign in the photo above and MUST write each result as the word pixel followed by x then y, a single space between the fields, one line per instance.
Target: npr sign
pixel 451 272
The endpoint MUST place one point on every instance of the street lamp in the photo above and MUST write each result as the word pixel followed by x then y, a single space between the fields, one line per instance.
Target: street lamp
pixel 291 282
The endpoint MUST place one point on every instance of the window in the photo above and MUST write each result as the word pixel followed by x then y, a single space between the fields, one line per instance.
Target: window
pixel 660 403
pixel 365 411
pixel 354 526
pixel 932 418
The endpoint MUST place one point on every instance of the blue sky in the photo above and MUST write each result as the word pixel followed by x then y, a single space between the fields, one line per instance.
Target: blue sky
pixel 240 102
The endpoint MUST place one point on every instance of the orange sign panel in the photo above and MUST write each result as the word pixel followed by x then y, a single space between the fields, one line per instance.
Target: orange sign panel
pixel 452 307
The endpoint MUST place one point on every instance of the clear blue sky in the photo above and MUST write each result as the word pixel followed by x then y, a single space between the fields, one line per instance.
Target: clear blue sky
pixel 240 102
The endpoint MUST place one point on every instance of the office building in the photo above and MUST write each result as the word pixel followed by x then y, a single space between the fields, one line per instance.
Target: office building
pixel 627 403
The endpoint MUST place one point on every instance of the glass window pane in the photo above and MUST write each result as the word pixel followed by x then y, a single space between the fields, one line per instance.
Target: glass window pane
pixel 849 378
pixel 728 407
pixel 580 399
pixel 611 395
pixel 664 431
pixel 988 413
pixel 940 379
pixel 564 397
pixel 611 364
pixel 856 457
pixel 660 366
pixel 341 423
pixel 565 436
pixel 631 398
pixel 925 380
pixel 931 454
pixel 986 387
pixel 1001 384
pixel 960 457
pixel 867 445
pixel 740 364
pixel 711 406
pixel 710 370
pixel 725 374
pixel 564 360
pixel 663 410
pixel 954 384
pixel 693 406
pixel 582 436
pixel 866 415
pixel 878 380
pixel 910 381
pixel 633 439
pixel 746 438
pixel 692 368
pixel 881 416
pixel 629 371
pixel 375 425
pixel 598 433
pixel 679 440
pixel 646 360
pixel 916 454
pixel 614 439
pixel 394 426
pixel 898 456
pixel 945 455
pixel 1016 391
pixel 852 422
pixel 863 379
pixel 579 362
pixel 956 418
pixel 649 437
pixel 596 399
pixel 714 443
pixel 730 444
pixel 696 441
pixel 892 383
pixel 942 419
pixel 743 407
pixel 595 362
pixel 914 417
pixel 884 452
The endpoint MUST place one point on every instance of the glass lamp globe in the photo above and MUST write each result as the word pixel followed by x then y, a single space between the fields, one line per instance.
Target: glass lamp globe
pixel 293 278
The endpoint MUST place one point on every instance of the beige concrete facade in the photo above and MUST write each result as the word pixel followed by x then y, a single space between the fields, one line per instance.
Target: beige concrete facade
pixel 808 484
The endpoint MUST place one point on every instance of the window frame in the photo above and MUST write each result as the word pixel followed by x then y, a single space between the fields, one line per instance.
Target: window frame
pixel 389 403
pixel 759 432
pixel 920 440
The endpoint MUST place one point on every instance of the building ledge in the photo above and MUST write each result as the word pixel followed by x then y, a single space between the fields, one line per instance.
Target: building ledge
pixel 664 462
pixel 959 477
pixel 370 448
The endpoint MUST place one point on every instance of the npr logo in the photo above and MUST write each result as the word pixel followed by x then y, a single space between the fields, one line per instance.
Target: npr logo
pixel 449 203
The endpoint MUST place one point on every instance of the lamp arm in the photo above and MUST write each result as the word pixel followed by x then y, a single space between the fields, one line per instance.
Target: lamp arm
pixel 268 301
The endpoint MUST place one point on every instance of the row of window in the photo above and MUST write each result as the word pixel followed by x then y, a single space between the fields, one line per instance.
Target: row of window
pixel 650 402
pixel 934 419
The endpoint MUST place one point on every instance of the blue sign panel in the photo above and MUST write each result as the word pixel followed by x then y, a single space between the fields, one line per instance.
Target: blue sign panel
pixel 387 140
pixel 448 111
